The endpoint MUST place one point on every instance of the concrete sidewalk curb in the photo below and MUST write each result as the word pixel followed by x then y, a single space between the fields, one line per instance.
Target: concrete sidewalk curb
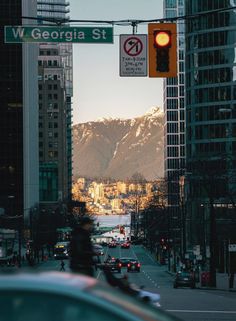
pixel 199 287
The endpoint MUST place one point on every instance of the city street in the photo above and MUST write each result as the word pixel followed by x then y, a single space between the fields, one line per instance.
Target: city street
pixel 188 304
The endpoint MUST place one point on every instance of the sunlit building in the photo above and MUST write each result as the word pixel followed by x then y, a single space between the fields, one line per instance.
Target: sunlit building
pixel 55 110
pixel 121 187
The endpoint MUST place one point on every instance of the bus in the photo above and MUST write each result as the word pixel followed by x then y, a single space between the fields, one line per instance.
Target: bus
pixel 61 250
pixel 7 240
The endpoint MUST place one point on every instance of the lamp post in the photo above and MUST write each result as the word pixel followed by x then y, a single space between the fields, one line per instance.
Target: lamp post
pixel 230 176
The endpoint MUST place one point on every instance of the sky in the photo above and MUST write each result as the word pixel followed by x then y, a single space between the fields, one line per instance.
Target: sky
pixel 98 89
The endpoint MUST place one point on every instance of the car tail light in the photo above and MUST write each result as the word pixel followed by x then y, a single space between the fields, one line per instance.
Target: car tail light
pixel 138 264
pixel 120 265
pixel 128 265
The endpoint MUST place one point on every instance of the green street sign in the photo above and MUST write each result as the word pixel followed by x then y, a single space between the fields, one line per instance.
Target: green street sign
pixel 20 34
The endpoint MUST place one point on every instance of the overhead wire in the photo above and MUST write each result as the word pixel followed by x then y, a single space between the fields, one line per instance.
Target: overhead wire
pixel 130 22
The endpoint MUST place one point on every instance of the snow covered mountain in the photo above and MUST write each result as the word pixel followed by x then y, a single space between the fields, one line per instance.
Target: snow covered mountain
pixel 118 148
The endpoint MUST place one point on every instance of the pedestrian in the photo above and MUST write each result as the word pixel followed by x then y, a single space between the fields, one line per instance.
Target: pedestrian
pixel 62 266
pixel 81 249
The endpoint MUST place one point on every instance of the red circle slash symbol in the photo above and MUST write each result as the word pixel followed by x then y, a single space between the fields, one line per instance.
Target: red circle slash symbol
pixel 133 46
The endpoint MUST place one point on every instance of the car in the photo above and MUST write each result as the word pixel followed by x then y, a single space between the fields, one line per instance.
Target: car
pixel 133 265
pixel 98 249
pixel 184 278
pixel 112 244
pixel 125 260
pixel 149 297
pixel 51 296
pixel 125 245
pixel 113 265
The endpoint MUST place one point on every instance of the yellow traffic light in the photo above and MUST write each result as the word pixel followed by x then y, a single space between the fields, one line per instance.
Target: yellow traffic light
pixel 162 38
pixel 162 50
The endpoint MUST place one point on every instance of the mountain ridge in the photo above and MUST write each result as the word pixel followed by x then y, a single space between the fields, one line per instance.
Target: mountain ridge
pixel 118 148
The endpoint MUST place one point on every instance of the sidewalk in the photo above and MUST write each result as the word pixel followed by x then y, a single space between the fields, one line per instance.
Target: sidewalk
pixel 25 267
pixel 222 283
pixel 222 279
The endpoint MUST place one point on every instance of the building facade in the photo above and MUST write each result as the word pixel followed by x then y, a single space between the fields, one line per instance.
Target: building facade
pixel 55 110
pixel 210 126
pixel 174 132
pixel 19 117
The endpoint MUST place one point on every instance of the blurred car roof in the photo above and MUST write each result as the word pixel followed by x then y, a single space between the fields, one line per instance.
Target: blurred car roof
pixel 85 290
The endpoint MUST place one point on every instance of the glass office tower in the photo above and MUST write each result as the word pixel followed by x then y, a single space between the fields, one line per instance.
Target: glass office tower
pixel 18 117
pixel 211 125
pixel 174 133
pixel 55 109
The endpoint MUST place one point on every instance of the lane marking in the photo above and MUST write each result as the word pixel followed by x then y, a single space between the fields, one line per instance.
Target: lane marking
pixel 202 311
pixel 99 273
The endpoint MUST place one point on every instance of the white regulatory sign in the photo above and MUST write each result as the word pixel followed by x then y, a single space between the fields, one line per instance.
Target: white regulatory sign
pixel 133 55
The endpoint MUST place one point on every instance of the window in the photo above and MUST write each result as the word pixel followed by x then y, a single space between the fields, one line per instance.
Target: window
pixel 172 116
pixel 24 305
pixel 171 3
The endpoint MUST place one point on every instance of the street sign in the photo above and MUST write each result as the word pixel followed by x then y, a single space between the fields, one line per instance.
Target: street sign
pixel 20 34
pixel 232 247
pixel 133 55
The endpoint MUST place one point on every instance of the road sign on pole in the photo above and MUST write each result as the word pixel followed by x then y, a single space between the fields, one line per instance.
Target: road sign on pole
pixel 133 55
pixel 20 34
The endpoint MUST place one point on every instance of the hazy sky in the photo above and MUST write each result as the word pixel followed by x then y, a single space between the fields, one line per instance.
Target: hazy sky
pixel 99 91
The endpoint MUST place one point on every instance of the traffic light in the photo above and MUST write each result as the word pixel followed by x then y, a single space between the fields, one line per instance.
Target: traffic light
pixel 162 50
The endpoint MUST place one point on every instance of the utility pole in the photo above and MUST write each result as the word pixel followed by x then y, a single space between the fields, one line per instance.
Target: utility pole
pixel 213 240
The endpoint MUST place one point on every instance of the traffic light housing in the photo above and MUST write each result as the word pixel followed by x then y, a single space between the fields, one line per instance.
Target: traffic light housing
pixel 162 50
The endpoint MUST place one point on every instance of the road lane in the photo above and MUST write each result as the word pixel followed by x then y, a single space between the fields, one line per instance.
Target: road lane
pixel 188 304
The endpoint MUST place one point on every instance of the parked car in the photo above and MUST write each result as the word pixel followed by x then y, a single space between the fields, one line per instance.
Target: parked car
pixel 183 278
pixel 51 296
pixel 113 265
pixel 133 265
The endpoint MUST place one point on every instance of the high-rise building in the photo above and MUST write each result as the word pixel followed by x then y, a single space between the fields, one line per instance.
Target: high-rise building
pixel 55 111
pixel 174 130
pixel 210 123
pixel 18 117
